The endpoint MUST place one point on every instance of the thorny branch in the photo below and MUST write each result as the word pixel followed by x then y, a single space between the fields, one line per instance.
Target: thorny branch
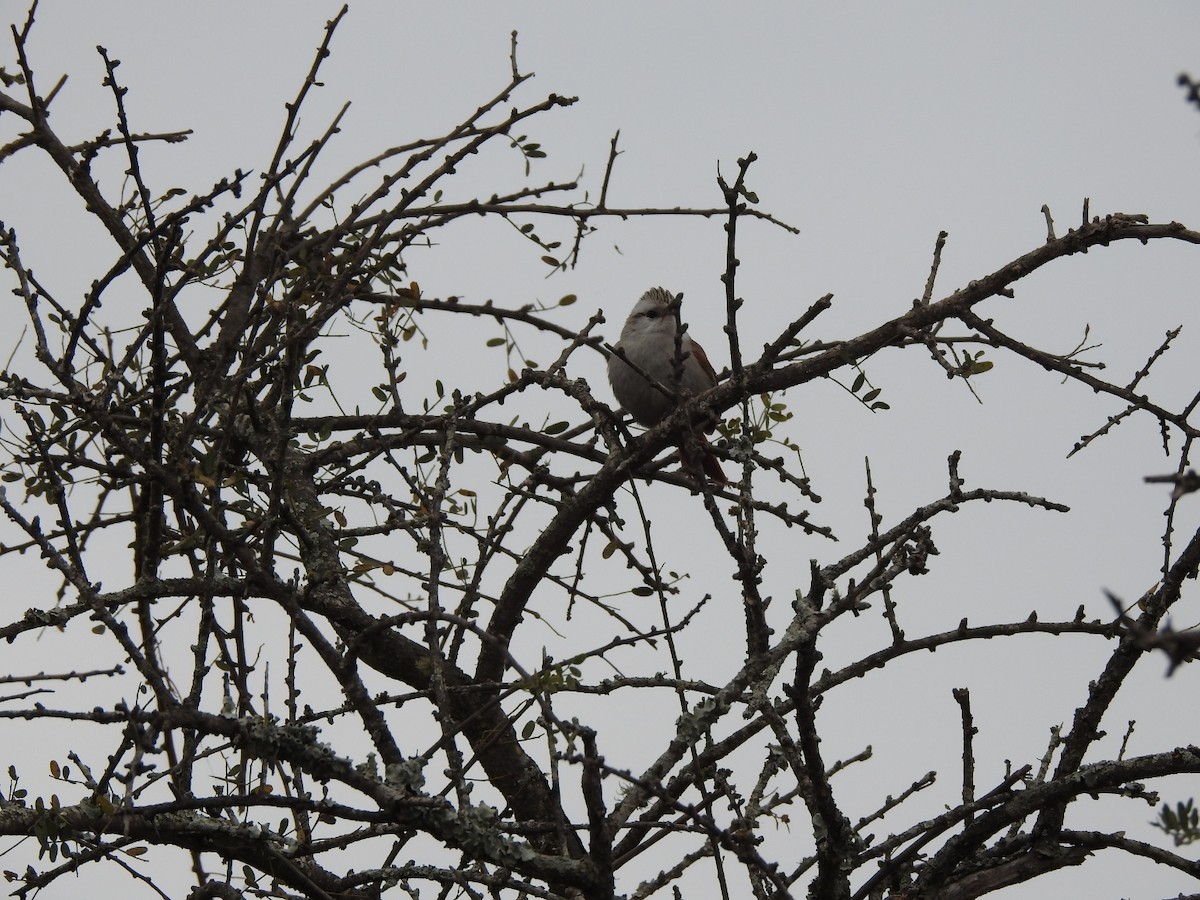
pixel 441 560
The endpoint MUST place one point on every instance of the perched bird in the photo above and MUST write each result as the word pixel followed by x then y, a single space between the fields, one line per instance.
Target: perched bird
pixel 648 341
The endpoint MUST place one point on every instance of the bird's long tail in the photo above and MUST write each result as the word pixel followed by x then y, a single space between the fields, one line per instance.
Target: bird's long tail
pixel 708 460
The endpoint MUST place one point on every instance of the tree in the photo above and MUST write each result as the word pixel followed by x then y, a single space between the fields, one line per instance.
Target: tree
pixel 325 598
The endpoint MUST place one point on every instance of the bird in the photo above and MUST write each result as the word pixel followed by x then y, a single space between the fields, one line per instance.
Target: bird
pixel 652 341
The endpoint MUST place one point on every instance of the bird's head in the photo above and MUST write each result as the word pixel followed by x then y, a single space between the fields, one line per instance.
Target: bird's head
pixel 654 313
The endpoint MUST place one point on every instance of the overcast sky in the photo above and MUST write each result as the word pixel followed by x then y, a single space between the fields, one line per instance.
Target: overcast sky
pixel 876 126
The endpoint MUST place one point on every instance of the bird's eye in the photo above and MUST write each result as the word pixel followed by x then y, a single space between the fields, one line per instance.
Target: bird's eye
pixel 652 314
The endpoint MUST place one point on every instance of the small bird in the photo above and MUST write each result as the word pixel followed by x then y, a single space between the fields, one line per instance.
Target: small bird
pixel 648 341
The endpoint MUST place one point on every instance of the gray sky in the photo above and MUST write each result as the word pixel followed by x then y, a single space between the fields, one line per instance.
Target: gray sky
pixel 876 126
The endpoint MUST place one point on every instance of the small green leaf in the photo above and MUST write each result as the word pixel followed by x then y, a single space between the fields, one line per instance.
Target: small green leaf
pixel 1168 817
